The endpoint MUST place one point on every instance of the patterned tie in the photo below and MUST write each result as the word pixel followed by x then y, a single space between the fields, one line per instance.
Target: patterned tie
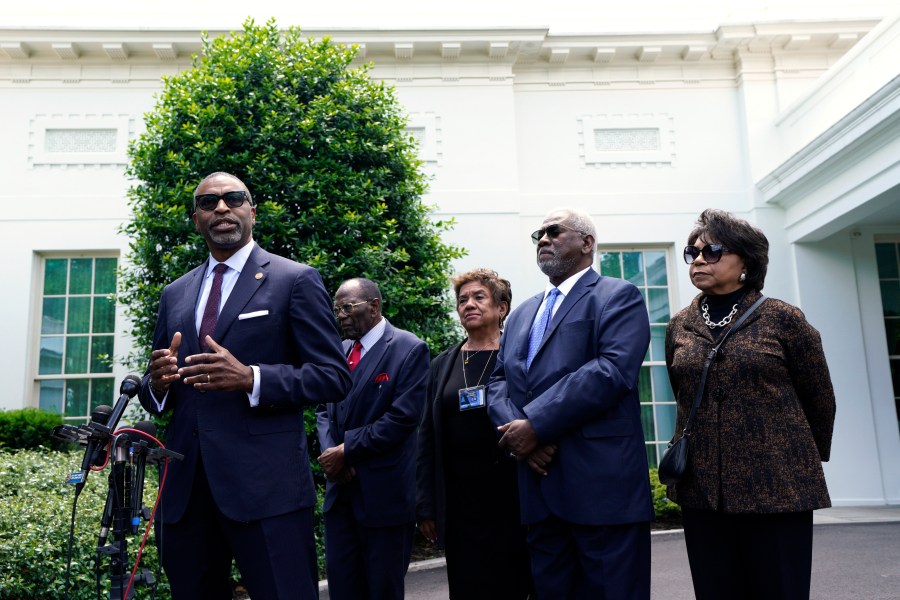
pixel 355 356
pixel 211 310
pixel 539 327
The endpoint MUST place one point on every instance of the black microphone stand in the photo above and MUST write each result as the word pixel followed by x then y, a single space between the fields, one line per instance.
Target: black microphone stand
pixel 124 500
pixel 126 508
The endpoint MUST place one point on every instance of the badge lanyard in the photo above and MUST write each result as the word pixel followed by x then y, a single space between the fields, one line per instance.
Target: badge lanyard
pixel 473 397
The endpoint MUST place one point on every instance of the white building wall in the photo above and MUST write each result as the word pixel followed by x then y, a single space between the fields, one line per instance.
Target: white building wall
pixel 506 143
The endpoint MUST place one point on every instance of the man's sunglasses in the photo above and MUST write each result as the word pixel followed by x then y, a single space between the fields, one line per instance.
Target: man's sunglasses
pixel 211 201
pixel 711 253
pixel 552 231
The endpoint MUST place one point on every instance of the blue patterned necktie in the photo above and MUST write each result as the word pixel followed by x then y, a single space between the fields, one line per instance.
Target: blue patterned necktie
pixel 539 327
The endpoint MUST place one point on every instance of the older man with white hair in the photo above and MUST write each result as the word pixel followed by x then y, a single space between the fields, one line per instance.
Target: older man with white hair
pixel 564 395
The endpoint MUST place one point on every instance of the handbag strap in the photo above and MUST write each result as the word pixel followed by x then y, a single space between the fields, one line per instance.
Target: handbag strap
pixel 698 397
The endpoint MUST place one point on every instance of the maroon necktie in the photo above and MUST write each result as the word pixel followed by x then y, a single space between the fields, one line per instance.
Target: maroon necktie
pixel 355 355
pixel 211 310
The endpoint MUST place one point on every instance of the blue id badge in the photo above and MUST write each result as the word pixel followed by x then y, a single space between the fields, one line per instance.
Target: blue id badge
pixel 471 397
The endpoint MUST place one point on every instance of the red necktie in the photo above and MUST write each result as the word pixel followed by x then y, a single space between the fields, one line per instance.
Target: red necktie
pixel 211 310
pixel 355 355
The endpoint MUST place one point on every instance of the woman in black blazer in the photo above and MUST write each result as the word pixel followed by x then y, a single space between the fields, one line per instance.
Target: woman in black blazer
pixel 467 496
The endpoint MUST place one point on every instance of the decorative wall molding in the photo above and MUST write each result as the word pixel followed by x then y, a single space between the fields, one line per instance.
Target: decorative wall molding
pixel 627 139
pixel 79 140
pixel 425 128
pixel 629 59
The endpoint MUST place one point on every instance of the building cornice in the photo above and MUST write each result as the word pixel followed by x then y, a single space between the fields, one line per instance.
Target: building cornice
pixel 518 46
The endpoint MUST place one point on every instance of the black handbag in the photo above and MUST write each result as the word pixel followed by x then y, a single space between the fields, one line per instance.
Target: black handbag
pixel 674 462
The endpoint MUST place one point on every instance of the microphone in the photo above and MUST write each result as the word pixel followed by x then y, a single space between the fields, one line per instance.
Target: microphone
pixel 119 485
pixel 129 387
pixel 137 487
pixel 100 416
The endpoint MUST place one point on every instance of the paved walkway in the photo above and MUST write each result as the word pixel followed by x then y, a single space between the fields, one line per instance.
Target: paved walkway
pixel 856 556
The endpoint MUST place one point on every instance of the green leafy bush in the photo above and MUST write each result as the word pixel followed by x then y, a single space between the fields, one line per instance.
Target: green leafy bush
pixel 29 428
pixel 324 151
pixel 35 511
pixel 665 509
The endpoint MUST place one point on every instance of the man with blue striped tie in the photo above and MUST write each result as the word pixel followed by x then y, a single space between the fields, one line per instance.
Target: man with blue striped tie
pixel 564 396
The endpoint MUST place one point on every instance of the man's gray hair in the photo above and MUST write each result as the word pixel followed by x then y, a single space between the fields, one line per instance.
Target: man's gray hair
pixel 580 221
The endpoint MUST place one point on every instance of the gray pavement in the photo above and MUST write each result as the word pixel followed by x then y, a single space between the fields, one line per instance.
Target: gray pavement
pixel 856 556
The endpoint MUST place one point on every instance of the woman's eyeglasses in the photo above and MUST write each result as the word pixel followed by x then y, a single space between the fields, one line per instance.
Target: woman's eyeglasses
pixel 711 253
pixel 211 201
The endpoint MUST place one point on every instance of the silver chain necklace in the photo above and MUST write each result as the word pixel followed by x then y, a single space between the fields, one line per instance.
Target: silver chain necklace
pixel 723 322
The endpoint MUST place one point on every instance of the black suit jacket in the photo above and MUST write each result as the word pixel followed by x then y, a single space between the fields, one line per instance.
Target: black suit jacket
pixel 278 317
pixel 377 424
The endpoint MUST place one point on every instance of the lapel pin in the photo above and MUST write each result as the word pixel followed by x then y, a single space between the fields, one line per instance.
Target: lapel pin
pixel 259 275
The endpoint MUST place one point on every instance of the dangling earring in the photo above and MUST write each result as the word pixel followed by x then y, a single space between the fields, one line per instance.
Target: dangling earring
pixel 742 278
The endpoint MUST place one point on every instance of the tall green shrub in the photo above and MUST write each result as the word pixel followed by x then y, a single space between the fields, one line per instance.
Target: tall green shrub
pixel 29 428
pixel 325 154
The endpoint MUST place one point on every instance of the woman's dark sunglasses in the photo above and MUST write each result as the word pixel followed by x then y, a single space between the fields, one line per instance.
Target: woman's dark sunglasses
pixel 551 232
pixel 711 253
pixel 211 201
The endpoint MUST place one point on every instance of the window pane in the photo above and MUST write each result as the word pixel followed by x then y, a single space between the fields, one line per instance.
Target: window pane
pixel 658 304
pixel 886 257
pixel 104 315
pixel 633 268
pixel 51 355
pixel 77 354
pixel 79 320
pixel 895 376
pixel 646 268
pixel 105 276
pixel 609 264
pixel 892 328
pixel 665 421
pixel 76 397
pixel 102 354
pixel 51 396
pixel 651 456
pixel 80 270
pixel 53 315
pixel 102 393
pixel 644 391
pixel 656 268
pixel 55 276
pixel 661 385
pixel 890 297
pixel 658 342
pixel 647 422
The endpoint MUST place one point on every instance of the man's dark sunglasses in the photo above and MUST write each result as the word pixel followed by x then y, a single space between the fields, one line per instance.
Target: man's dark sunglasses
pixel 552 231
pixel 711 253
pixel 211 201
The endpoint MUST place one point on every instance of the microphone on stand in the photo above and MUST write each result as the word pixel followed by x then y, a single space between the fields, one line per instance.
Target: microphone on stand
pixel 141 448
pixel 94 435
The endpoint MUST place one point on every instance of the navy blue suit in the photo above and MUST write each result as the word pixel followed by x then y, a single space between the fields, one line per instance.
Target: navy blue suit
pixel 369 520
pixel 254 463
pixel 581 394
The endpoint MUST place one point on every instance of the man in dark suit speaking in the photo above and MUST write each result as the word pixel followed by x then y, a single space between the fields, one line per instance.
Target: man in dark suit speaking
pixel 564 395
pixel 369 451
pixel 242 343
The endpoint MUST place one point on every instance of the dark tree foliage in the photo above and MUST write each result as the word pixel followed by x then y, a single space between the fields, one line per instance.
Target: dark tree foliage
pixel 324 152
